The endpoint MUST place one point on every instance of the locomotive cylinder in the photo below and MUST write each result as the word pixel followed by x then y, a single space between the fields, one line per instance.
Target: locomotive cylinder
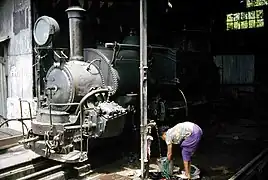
pixel 75 16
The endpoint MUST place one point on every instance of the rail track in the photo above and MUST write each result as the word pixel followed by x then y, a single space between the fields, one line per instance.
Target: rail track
pixel 44 169
pixel 256 169
pixel 29 170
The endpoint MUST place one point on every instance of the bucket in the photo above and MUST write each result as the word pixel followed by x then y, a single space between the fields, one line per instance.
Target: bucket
pixel 161 162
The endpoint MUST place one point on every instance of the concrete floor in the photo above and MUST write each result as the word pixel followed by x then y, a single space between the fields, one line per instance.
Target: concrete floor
pixel 218 158
pixel 233 136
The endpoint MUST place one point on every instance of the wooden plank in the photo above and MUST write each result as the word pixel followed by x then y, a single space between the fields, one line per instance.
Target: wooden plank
pixel 9 142
pixel 9 132
pixel 9 138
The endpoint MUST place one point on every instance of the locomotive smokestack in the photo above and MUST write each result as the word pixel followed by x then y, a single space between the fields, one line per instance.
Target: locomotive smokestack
pixel 75 16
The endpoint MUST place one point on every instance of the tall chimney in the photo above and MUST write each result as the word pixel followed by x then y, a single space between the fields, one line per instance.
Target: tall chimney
pixel 75 16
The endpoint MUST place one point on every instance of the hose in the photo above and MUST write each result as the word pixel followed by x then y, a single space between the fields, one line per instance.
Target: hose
pixel 165 172
pixel 98 68
pixel 7 120
pixel 185 101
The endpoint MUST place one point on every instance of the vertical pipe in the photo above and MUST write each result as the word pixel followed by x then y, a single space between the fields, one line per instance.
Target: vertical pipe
pixel 37 80
pixel 49 106
pixel 81 129
pixel 30 111
pixel 21 118
pixel 75 15
pixel 143 84
pixel 222 73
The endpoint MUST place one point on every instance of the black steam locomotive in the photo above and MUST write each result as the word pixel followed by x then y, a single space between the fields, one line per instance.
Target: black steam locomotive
pixel 91 93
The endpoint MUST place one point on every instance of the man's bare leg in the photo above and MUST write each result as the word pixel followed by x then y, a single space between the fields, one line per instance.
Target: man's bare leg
pixel 187 166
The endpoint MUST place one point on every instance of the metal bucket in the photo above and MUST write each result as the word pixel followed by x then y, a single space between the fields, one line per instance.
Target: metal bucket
pixel 161 161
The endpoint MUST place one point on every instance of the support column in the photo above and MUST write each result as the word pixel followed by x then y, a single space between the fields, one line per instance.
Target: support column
pixel 143 86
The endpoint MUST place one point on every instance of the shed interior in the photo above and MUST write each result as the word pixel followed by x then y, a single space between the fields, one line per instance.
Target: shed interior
pixel 230 31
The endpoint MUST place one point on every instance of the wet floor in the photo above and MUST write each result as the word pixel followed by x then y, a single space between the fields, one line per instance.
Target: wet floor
pixel 233 135
pixel 230 141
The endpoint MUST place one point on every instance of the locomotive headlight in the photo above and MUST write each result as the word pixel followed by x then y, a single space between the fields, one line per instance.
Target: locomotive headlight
pixel 44 29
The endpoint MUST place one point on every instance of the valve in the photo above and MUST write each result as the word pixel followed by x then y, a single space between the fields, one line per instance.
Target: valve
pixel 151 124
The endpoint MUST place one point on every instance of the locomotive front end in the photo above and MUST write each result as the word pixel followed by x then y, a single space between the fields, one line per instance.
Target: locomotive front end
pixel 77 104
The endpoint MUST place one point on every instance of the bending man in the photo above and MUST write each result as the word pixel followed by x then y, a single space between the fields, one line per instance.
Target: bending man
pixel 188 135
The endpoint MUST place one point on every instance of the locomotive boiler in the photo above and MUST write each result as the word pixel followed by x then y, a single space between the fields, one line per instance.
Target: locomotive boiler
pixel 93 93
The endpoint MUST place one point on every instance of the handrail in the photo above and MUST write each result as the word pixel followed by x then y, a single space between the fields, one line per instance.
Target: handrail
pixel 64 104
pixel 21 114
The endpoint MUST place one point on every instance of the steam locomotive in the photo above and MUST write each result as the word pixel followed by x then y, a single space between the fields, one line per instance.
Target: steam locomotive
pixel 91 94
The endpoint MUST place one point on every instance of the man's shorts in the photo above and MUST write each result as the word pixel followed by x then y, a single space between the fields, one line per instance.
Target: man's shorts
pixel 190 144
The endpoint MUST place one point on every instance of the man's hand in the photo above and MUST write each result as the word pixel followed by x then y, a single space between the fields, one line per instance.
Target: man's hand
pixel 169 152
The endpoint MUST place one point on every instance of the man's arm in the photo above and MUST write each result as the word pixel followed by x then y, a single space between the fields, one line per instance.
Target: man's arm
pixel 169 152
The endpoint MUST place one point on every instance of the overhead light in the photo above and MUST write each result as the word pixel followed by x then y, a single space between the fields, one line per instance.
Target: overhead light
pixel 89 4
pixel 81 2
pixel 169 4
pixel 110 4
pixel 101 4
pixel 44 29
